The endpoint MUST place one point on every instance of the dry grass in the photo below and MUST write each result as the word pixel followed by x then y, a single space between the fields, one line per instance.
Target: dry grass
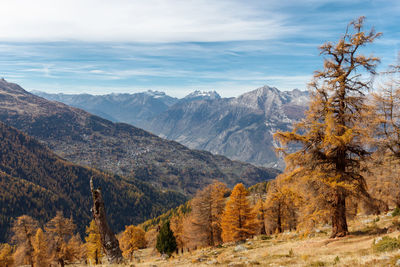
pixel 290 250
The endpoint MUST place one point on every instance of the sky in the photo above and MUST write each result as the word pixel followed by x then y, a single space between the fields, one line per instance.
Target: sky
pixel 178 46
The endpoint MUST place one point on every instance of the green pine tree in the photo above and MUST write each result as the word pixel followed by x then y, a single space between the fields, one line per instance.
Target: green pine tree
pixel 166 243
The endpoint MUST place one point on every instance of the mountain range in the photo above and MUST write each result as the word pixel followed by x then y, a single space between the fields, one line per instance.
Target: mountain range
pixel 239 128
pixel 135 109
pixel 119 148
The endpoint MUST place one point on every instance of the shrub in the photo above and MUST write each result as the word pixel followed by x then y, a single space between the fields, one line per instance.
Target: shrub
pixel 265 237
pixel 396 212
pixel 336 260
pixel 386 244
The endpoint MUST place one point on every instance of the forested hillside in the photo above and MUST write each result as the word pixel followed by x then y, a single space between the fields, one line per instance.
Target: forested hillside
pixel 36 182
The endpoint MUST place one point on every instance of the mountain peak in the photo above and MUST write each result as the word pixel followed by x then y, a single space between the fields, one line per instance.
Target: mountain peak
pixel 265 90
pixel 10 87
pixel 196 95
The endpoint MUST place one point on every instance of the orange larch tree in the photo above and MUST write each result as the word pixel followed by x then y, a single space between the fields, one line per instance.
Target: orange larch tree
pixel 24 229
pixel 133 238
pixel 331 134
pixel 238 220
pixel 207 207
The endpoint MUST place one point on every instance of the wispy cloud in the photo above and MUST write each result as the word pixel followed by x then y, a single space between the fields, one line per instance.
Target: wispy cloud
pixel 138 21
pixel 99 46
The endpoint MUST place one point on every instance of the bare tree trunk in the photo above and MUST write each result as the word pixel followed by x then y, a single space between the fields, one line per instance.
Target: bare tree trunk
pixel 108 240
pixel 339 222
pixel 279 219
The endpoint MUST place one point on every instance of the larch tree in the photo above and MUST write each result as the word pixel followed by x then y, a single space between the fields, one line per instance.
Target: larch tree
pixel 41 250
pixel 383 119
pixel 207 207
pixel 331 134
pixel 385 114
pixel 280 206
pixel 259 210
pixel 238 220
pixel 94 249
pixel 132 239
pixel 75 250
pixel 176 224
pixel 60 231
pixel 24 230
pixel 6 255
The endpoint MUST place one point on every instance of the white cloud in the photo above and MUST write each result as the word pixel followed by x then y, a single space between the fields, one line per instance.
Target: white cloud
pixel 138 21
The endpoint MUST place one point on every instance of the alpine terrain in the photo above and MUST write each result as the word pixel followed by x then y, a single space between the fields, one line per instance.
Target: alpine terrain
pixel 86 139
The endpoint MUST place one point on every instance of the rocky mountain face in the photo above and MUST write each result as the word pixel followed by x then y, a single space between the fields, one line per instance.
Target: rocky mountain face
pixel 86 139
pixel 240 128
pixel 136 109
pixel 36 182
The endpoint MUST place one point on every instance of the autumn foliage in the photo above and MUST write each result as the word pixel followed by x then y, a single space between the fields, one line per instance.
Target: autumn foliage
pixel 133 238
pixel 331 135
pixel 238 220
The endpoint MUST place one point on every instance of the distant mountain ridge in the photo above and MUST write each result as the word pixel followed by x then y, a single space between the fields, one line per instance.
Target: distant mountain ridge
pixel 120 148
pixel 240 128
pixel 135 109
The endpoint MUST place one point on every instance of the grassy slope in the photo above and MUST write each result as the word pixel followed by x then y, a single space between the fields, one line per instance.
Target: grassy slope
pixel 290 249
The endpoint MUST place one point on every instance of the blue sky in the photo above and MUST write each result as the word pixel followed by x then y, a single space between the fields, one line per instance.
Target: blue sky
pixel 177 46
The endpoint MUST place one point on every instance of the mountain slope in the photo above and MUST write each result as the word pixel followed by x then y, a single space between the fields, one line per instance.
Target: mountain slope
pixel 135 109
pixel 89 140
pixel 240 128
pixel 34 181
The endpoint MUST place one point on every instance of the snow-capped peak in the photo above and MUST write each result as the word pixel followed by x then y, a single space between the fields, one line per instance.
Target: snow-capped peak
pixel 203 95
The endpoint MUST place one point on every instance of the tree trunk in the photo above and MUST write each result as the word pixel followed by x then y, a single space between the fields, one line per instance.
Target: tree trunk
pixel 339 222
pixel 279 219
pixel 108 240
pixel 96 257
pixel 263 232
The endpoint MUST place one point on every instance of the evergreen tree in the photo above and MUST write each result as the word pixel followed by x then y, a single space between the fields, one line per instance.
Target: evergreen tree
pixel 331 134
pixel 94 249
pixel 238 220
pixel 166 243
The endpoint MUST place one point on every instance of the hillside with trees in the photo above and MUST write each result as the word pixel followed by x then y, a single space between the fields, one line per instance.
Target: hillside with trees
pixel 85 139
pixel 36 182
